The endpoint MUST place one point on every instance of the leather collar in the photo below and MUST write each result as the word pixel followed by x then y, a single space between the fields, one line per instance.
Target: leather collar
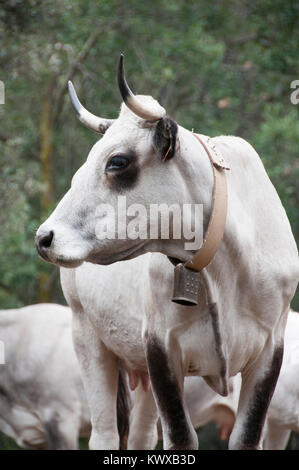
pixel 217 220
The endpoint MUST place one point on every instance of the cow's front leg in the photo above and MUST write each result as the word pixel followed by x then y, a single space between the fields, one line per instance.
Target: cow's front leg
pixel 258 384
pixel 99 368
pixel 143 423
pixel 167 380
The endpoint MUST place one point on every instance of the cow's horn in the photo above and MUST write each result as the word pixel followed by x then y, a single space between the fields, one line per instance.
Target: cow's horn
pixel 151 111
pixel 95 123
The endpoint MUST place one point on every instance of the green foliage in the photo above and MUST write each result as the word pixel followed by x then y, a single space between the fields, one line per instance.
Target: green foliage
pixel 6 443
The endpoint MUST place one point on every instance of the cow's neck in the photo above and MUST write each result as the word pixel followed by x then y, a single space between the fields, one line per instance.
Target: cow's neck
pixel 195 187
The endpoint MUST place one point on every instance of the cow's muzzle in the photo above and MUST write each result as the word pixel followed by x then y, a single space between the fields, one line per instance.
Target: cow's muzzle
pixel 43 243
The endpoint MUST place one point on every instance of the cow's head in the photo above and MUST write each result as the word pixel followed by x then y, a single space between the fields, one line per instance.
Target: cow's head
pixel 133 159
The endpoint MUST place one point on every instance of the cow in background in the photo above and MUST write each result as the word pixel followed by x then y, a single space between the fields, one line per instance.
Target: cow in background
pixel 42 400
pixel 283 414
pixel 41 379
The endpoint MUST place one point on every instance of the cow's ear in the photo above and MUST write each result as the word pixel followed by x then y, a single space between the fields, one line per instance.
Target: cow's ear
pixel 165 138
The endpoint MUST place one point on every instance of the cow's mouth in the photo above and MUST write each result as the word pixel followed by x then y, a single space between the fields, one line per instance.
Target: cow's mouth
pixel 129 253
pixel 67 263
pixel 60 261
pixel 94 256
pixel 56 250
pixel 47 255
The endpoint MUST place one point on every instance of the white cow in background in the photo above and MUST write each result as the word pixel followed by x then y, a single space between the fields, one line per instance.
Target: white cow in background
pixel 206 406
pixel 42 401
pixel 283 414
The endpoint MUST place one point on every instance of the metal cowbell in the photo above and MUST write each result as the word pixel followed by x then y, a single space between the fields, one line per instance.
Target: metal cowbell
pixel 186 283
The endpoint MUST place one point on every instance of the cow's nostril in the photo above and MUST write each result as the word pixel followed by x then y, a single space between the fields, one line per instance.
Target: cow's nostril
pixel 45 240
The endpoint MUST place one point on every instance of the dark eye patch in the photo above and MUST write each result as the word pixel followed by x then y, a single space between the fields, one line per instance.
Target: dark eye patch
pixel 122 171
pixel 116 163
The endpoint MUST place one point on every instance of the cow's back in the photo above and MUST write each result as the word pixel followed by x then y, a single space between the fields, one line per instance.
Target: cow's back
pixel 258 253
pixel 254 203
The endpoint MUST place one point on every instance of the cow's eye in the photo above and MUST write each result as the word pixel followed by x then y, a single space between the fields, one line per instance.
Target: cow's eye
pixel 118 162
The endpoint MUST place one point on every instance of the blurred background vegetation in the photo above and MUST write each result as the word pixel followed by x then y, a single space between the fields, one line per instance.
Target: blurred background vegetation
pixel 222 67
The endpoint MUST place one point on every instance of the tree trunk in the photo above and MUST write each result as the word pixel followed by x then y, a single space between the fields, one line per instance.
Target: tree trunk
pixel 47 195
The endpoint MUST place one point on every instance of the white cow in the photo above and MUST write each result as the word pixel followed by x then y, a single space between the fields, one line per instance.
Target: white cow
pixel 245 291
pixel 205 405
pixel 27 422
pixel 42 401
pixel 283 416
